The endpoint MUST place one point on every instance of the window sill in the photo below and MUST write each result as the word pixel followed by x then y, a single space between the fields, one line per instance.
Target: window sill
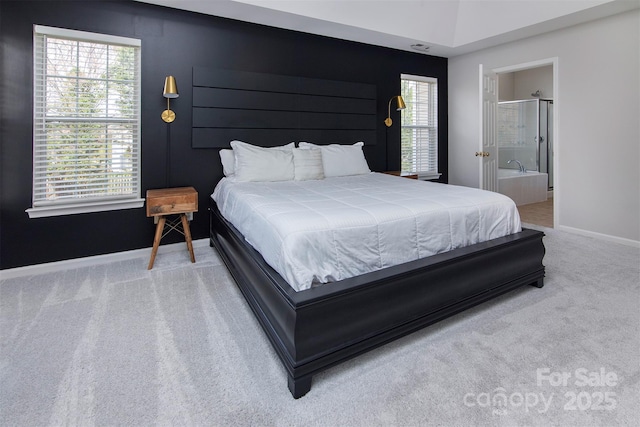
pixel 72 209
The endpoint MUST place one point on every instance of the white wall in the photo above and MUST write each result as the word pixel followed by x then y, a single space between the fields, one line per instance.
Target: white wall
pixel 505 87
pixel 519 85
pixel 526 82
pixel 597 186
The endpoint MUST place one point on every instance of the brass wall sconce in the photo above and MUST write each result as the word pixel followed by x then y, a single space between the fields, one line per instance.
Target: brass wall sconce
pixel 401 106
pixel 170 91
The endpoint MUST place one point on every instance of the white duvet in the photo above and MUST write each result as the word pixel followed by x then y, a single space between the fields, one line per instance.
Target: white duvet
pixel 314 232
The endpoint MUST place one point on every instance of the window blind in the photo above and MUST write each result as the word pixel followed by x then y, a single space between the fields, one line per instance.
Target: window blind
pixel 86 117
pixel 419 138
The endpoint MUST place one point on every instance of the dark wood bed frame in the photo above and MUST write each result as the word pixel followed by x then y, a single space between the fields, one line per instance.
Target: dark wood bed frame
pixel 318 328
pixel 315 329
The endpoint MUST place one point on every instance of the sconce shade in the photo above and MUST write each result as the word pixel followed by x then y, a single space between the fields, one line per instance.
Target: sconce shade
pixel 170 91
pixel 401 106
pixel 170 88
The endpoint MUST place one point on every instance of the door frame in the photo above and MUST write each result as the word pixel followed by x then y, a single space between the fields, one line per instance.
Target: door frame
pixel 557 178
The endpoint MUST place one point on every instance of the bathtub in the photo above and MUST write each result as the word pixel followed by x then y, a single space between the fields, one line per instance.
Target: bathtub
pixel 523 188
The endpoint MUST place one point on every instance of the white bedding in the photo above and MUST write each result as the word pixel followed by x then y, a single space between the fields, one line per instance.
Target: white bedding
pixel 321 231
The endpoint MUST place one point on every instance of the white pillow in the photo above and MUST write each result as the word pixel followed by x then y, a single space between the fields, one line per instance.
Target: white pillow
pixel 307 164
pixel 228 160
pixel 255 163
pixel 341 160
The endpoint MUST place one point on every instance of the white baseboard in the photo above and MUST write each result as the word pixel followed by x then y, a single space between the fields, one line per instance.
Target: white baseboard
pixel 50 267
pixel 621 240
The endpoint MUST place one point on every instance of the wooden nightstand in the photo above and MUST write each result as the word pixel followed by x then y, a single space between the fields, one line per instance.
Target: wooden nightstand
pixel 403 174
pixel 171 201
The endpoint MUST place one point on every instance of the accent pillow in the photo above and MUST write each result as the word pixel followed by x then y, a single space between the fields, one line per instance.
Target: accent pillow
pixel 307 164
pixel 228 160
pixel 341 160
pixel 255 163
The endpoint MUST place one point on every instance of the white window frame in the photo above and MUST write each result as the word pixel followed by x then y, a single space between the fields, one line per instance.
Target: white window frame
pixel 432 127
pixel 43 206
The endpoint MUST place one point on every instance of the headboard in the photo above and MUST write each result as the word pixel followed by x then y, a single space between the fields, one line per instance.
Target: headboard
pixel 270 109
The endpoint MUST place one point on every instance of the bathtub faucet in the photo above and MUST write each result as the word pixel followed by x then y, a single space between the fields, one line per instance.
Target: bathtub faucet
pixel 522 168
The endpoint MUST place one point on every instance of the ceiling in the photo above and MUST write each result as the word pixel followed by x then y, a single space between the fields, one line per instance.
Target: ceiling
pixel 447 27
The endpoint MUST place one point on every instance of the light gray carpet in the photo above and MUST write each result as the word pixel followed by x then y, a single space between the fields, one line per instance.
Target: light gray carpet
pixel 119 345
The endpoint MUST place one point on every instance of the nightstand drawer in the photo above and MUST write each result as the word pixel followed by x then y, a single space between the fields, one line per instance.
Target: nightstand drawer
pixel 167 201
pixel 409 175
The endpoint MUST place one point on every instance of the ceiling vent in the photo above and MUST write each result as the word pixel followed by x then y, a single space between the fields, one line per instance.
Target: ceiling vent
pixel 420 47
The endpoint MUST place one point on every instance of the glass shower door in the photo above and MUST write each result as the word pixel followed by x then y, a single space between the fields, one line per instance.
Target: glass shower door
pixel 518 134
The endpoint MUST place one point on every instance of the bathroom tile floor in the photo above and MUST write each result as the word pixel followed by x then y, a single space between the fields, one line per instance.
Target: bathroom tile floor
pixel 537 213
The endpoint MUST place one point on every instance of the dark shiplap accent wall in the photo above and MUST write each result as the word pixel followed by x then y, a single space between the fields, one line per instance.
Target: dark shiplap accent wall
pixel 174 43
pixel 269 109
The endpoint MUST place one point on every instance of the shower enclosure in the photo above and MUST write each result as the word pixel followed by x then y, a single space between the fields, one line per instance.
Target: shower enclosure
pixel 525 134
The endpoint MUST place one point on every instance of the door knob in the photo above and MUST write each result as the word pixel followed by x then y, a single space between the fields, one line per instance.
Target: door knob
pixel 482 154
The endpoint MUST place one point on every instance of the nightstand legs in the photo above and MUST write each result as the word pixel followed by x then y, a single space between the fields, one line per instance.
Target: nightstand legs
pixel 162 221
pixel 187 236
pixel 156 240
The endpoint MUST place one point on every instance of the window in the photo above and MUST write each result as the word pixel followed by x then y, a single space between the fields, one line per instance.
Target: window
pixel 86 123
pixel 419 140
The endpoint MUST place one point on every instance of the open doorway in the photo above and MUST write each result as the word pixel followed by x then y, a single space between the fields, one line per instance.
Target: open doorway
pixel 526 139
pixel 525 142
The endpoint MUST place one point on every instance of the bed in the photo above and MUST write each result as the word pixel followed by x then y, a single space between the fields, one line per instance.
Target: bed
pixel 317 325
